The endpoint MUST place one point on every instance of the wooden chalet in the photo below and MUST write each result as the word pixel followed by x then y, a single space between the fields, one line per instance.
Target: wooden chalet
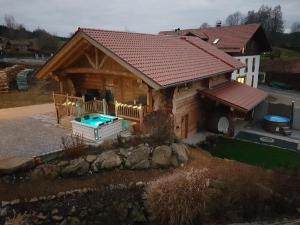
pixel 132 74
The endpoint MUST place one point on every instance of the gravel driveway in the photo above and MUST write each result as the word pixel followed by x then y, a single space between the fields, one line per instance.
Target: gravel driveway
pixel 31 134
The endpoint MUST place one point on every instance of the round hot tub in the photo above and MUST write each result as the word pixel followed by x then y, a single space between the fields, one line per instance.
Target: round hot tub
pixel 273 123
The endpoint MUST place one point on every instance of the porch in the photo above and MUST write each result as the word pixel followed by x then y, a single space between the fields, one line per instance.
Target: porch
pixel 72 107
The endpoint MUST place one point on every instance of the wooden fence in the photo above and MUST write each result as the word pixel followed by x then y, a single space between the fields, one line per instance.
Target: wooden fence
pixel 130 112
pixel 95 106
pixel 67 105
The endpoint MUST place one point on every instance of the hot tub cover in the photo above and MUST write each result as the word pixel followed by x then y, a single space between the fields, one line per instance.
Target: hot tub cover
pixel 236 95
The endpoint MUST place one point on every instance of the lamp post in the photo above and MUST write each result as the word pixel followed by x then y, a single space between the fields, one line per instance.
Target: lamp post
pixel 292 114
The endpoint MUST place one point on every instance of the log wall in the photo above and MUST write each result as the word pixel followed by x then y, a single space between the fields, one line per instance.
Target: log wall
pixel 187 102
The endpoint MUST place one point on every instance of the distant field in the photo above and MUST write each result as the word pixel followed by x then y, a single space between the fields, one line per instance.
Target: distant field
pixel 256 154
pixel 285 54
pixel 39 93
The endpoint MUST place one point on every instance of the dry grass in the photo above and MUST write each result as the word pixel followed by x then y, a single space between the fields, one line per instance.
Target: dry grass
pixel 178 198
pixel 73 146
pixel 17 219
pixel 236 192
pixel 40 92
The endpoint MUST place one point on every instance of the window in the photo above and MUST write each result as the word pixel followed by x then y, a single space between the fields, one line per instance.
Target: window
pixel 246 62
pixel 216 41
pixel 241 79
pixel 253 64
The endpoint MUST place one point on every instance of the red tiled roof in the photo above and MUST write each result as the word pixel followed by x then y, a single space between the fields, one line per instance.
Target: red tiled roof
pixel 232 38
pixel 167 60
pixel 236 95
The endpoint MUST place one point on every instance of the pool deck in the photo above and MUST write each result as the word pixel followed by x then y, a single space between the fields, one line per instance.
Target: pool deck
pixel 29 131
pixel 255 128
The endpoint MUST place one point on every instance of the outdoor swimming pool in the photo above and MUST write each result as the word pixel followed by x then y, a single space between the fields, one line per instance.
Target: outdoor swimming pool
pixel 97 127
pixel 274 123
pixel 277 119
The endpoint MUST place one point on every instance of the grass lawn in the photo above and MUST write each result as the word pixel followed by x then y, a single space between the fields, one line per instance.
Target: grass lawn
pixel 40 92
pixel 256 154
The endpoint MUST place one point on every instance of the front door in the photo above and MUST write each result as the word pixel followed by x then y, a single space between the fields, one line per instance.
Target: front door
pixel 184 126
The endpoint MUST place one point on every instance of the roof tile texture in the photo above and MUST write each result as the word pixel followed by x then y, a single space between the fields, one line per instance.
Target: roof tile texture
pixel 236 95
pixel 232 38
pixel 165 59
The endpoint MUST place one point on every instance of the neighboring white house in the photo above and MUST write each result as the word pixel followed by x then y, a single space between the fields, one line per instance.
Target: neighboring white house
pixel 244 42
pixel 249 74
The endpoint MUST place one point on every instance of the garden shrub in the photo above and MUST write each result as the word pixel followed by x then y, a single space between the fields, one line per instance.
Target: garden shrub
pixel 160 126
pixel 73 146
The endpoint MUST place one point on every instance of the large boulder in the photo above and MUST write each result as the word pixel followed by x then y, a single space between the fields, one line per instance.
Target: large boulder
pixel 161 156
pixel 181 152
pixel 45 171
pixel 138 158
pixel 106 160
pixel 76 167
pixel 16 164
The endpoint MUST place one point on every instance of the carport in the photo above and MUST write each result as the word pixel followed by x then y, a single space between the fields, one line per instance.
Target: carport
pixel 227 101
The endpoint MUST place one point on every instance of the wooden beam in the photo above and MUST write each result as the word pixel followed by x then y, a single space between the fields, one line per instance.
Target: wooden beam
pixel 96 58
pixel 90 60
pixel 95 71
pixel 102 62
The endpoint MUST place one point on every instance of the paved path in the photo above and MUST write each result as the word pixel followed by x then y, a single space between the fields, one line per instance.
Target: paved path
pixel 29 131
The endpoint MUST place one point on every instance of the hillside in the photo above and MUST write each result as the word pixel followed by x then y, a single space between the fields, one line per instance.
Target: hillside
pixel 284 40
pixel 24 42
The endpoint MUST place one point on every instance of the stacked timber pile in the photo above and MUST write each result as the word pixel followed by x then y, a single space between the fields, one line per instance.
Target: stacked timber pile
pixel 8 76
pixel 23 79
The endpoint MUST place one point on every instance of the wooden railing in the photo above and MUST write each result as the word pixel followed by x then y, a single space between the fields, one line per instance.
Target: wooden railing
pixel 95 106
pixel 67 105
pixel 130 112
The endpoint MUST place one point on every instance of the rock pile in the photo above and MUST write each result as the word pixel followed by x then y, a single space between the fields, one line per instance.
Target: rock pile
pixel 141 157
pixel 115 204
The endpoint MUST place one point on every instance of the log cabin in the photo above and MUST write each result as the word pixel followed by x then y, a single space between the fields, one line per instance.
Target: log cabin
pixel 244 42
pixel 152 73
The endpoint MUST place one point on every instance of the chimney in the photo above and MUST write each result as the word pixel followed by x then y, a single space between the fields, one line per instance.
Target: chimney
pixel 218 23
pixel 177 31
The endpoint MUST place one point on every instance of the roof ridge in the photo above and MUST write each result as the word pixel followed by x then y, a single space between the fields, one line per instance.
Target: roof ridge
pixel 116 31
pixel 197 46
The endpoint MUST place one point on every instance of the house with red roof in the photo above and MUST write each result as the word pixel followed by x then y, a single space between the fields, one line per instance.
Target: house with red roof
pixel 182 75
pixel 244 42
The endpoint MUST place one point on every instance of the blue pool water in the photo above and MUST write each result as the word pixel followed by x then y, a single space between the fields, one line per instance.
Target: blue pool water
pixel 97 120
pixel 277 119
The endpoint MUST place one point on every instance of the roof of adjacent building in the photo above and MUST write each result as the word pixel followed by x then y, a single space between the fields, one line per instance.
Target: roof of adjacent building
pixel 231 38
pixel 236 95
pixel 166 60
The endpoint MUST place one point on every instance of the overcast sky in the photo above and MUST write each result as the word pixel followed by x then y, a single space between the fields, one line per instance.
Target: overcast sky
pixel 151 16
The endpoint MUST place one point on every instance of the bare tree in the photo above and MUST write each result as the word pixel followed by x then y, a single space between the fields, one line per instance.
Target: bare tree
pixel 271 19
pixel 204 25
pixel 234 19
pixel 10 21
pixel 295 27
pixel 277 21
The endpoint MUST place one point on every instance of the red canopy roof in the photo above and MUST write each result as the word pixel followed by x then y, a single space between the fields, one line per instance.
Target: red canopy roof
pixel 236 95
